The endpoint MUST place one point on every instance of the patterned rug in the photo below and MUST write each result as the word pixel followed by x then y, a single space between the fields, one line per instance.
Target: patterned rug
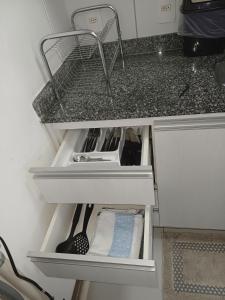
pixel 193 265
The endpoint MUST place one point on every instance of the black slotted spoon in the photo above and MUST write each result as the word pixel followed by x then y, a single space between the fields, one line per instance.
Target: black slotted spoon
pixel 67 245
pixel 80 240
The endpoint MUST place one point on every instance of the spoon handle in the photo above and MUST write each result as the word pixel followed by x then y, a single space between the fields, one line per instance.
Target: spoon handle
pixel 88 212
pixel 76 218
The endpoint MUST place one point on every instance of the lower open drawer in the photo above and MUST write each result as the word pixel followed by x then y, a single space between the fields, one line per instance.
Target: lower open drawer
pixel 140 271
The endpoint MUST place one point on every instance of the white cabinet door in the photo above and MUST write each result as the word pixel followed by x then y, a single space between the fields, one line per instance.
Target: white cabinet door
pixel 190 170
pixel 149 20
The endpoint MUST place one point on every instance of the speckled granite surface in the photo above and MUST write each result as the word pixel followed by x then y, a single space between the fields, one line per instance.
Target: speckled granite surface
pixel 152 85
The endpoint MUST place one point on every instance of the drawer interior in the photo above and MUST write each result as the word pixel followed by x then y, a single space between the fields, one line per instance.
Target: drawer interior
pixel 74 142
pixel 61 223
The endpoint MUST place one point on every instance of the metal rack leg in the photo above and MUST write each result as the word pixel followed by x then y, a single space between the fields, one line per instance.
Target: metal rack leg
pixel 101 51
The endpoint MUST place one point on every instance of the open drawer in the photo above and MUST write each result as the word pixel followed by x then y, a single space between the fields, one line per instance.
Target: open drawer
pixel 140 271
pixel 110 183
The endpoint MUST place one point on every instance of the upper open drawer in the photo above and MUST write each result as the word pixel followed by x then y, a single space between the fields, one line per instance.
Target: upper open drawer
pixel 96 183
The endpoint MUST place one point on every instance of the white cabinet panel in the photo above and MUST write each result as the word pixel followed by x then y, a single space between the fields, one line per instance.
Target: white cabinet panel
pixel 148 22
pixel 190 170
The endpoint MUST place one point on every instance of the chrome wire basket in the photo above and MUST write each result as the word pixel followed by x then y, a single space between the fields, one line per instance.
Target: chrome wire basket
pixel 87 57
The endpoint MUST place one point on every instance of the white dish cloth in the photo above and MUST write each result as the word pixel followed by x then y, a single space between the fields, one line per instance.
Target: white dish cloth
pixel 118 234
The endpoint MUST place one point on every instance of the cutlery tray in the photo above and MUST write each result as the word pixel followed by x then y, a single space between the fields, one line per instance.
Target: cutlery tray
pixel 108 157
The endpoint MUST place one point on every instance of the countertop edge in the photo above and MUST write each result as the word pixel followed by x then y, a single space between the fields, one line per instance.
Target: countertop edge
pixel 212 117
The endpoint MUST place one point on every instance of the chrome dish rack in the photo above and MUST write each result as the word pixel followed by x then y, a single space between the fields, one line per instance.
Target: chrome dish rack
pixel 87 58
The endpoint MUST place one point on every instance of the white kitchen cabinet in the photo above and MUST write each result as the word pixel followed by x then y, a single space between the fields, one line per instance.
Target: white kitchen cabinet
pixel 190 172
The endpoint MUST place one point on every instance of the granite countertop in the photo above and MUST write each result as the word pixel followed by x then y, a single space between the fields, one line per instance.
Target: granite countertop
pixel 152 85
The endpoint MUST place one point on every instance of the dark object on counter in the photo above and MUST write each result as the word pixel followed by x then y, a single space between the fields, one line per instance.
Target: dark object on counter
pixel 67 245
pixel 80 243
pixel 202 46
pixel 189 6
pixel 203 27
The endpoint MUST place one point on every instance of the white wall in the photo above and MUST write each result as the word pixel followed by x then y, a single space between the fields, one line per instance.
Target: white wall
pixel 146 16
pixel 59 21
pixel 148 23
pixel 24 216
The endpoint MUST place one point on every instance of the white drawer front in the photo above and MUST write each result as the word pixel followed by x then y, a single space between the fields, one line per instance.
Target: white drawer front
pixel 101 271
pixel 93 268
pixel 114 184
pixel 120 187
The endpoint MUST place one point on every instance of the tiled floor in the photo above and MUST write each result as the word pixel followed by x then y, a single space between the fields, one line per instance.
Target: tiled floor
pixel 194 264
pixel 207 256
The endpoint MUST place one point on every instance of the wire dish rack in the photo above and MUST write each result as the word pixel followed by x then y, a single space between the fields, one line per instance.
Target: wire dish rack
pixel 87 57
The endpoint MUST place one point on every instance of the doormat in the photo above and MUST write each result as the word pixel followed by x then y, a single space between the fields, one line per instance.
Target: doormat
pixel 193 265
